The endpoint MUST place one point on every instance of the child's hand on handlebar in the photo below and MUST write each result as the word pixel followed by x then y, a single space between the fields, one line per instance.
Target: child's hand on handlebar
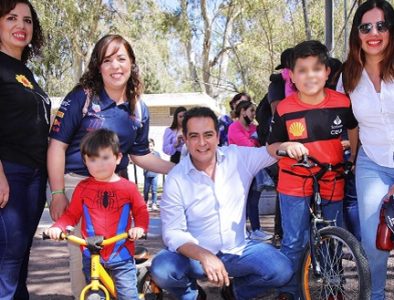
pixel 53 232
pixel 294 149
pixel 135 233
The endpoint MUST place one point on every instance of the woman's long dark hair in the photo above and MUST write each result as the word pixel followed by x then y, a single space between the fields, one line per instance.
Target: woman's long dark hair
pixel 354 64
pixel 174 124
pixel 92 80
pixel 37 39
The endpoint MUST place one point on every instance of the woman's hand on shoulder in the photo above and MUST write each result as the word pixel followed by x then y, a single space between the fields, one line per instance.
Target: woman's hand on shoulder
pixel 4 190
pixel 58 205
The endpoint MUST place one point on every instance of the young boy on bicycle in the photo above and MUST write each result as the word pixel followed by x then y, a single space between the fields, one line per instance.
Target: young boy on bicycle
pixel 108 205
pixel 310 121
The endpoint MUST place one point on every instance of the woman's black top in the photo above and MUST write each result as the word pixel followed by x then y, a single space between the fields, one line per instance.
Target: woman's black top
pixel 24 115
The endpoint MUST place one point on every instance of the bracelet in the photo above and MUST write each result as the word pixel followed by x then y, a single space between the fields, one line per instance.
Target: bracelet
pixel 57 192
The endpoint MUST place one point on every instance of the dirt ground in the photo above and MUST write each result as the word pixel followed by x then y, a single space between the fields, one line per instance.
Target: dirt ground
pixel 49 277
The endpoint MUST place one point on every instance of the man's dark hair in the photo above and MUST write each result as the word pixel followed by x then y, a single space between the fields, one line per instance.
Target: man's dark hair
pixel 310 48
pixel 99 139
pixel 199 112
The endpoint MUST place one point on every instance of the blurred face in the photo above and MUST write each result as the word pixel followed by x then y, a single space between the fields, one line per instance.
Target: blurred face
pixel 115 68
pixel 310 76
pixel 16 30
pixel 180 118
pixel 201 141
pixel 250 112
pixel 102 167
pixel 151 147
pixel 373 33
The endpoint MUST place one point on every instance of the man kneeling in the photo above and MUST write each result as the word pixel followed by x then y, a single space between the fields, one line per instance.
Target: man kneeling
pixel 203 219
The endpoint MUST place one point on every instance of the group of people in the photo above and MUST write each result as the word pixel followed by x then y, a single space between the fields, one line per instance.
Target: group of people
pixel 102 123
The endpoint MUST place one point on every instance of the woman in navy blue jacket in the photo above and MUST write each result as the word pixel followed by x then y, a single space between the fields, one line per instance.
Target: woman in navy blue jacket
pixel 107 96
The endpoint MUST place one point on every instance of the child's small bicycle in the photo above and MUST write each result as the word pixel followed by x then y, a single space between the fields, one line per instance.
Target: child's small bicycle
pixel 334 266
pixel 101 281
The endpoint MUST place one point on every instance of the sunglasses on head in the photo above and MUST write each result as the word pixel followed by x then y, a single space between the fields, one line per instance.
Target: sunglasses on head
pixel 381 26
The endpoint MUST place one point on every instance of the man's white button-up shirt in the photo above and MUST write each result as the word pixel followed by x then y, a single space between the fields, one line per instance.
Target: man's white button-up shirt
pixel 211 213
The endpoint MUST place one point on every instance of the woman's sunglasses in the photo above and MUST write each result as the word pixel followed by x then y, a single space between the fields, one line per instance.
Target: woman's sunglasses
pixel 366 28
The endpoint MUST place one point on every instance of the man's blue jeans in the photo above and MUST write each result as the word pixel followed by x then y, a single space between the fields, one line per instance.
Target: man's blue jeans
pixel 372 183
pixel 295 223
pixel 123 274
pixel 259 268
pixel 150 184
pixel 18 223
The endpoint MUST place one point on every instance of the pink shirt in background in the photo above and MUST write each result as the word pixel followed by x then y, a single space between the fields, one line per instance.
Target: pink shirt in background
pixel 239 136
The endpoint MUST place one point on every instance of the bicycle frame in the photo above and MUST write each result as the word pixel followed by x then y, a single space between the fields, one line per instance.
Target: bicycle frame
pixel 100 279
pixel 315 209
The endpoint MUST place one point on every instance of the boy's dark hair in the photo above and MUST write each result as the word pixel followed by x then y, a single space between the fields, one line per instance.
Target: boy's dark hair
pixel 99 139
pixel 310 48
pixel 199 112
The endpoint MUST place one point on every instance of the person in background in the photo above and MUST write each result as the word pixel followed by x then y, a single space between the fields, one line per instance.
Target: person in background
pixel 281 85
pixel 276 93
pixel 173 137
pixel 107 96
pixel 150 180
pixel 368 79
pixel 226 120
pixel 25 114
pixel 108 205
pixel 203 219
pixel 242 132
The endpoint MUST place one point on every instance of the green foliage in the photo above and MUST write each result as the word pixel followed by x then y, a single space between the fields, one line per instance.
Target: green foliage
pixel 235 46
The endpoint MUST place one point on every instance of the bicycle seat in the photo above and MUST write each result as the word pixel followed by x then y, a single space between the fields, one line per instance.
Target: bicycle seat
pixel 141 255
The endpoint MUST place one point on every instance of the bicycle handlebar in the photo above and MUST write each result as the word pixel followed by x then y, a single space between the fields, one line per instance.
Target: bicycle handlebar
pixel 309 162
pixel 82 242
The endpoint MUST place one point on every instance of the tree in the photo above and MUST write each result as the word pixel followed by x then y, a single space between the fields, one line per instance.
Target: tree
pixel 70 28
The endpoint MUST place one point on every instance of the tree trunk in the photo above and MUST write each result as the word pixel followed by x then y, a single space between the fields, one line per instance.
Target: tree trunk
pixel 187 41
pixel 206 47
pixel 308 33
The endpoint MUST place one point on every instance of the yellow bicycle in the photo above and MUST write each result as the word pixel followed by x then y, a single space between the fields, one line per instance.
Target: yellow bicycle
pixel 100 279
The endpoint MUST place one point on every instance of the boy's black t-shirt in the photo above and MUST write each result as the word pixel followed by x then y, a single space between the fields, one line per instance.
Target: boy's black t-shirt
pixel 24 115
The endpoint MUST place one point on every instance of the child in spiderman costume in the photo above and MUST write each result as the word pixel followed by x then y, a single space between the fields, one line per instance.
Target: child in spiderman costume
pixel 108 205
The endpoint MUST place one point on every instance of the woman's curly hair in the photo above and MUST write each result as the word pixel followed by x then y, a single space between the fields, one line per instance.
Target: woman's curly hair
pixel 37 40
pixel 92 80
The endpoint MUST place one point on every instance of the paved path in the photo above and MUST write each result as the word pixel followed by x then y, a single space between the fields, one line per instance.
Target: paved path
pixel 49 277
pixel 48 271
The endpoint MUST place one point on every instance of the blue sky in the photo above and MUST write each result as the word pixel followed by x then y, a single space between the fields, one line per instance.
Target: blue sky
pixel 172 4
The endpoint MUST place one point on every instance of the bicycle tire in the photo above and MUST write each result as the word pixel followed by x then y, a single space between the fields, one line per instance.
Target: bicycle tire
pixel 147 287
pixel 93 296
pixel 345 271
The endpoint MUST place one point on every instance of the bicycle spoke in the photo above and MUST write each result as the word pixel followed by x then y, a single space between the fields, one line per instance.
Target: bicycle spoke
pixel 342 275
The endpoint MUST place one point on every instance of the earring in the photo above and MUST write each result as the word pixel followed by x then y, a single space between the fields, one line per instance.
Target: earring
pixel 30 45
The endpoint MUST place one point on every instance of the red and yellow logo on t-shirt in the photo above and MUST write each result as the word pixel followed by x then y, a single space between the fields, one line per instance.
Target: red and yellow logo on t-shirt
pixel 297 129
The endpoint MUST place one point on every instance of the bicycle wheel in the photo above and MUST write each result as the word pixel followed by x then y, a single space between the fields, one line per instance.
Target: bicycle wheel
pixel 93 296
pixel 147 287
pixel 344 268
